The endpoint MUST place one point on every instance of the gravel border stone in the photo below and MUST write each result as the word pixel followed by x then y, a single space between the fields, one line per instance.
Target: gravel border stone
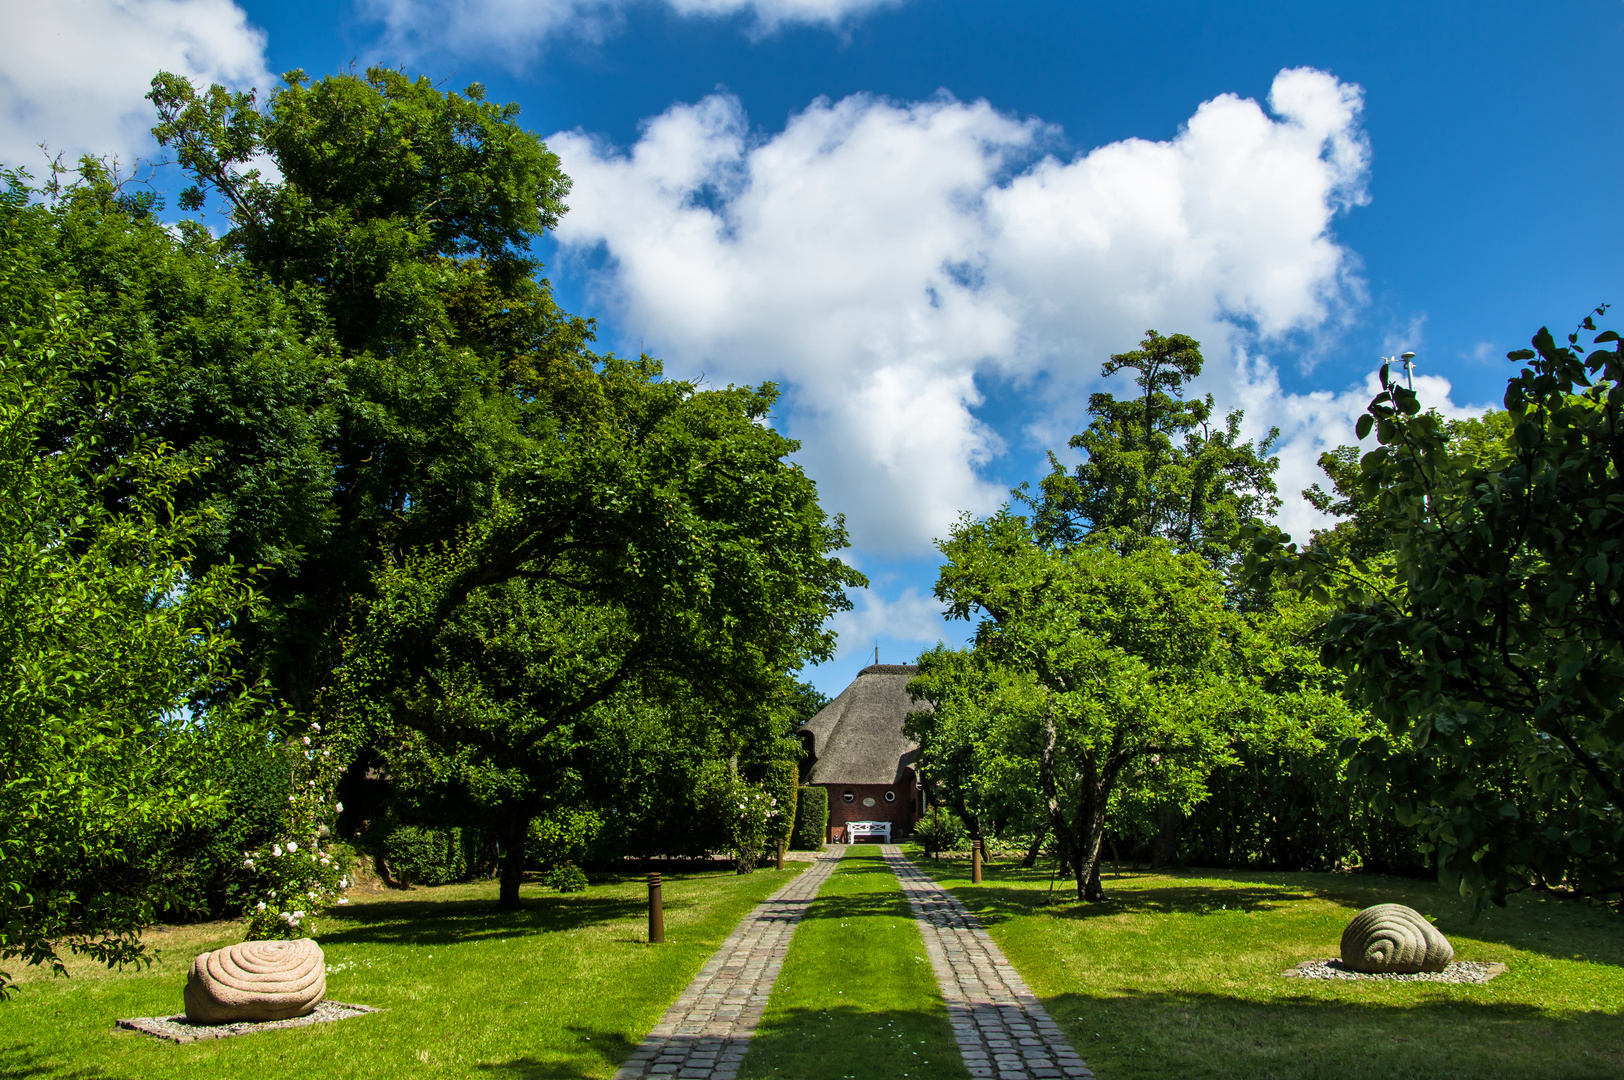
pixel 178 1029
pixel 1459 971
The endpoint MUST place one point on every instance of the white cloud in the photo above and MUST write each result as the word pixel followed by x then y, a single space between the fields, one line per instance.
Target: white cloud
pixel 878 257
pixel 515 30
pixel 73 73
pixel 910 619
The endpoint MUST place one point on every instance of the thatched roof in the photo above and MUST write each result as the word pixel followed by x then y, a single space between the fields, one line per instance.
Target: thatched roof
pixel 857 738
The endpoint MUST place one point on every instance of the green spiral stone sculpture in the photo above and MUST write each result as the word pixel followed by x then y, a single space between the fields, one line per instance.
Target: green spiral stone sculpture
pixel 1392 938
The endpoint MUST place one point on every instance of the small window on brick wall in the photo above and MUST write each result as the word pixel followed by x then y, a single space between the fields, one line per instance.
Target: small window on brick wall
pixel 890 796
pixel 850 796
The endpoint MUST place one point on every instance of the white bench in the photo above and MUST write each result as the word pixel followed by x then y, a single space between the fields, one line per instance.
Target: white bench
pixel 854 829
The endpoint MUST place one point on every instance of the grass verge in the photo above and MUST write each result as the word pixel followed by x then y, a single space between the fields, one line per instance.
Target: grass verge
pixel 856 997
pixel 1178 976
pixel 565 988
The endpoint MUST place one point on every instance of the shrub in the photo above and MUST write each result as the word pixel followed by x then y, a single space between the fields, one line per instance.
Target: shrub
pixel 940 830
pixel 811 819
pixel 780 783
pixel 566 877
pixel 563 837
pixel 435 856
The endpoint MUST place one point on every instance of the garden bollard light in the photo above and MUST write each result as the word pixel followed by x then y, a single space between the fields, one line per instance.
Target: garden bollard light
pixel 656 911
pixel 975 862
pixel 780 854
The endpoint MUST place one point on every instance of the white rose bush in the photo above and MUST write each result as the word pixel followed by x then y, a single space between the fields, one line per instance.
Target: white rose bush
pixel 303 872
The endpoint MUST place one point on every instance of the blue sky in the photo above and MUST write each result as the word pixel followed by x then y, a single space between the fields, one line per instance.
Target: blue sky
pixel 932 221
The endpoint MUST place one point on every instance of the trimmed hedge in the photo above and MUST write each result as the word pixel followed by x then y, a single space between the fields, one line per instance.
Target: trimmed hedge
pixel 811 819
pixel 781 780
pixel 419 856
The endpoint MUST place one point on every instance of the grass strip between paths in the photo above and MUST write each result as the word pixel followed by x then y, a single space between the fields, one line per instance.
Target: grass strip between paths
pixel 1177 977
pixel 565 988
pixel 857 998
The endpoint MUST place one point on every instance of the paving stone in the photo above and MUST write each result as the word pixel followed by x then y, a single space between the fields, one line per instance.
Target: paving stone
pixel 1001 1028
pixel 705 1032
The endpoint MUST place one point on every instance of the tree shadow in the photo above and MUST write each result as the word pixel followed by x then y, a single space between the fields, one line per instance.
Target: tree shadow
pixel 844 1041
pixel 608 1047
pixel 1303 1036
pixel 1561 929
pixel 445 922
pixel 22 1060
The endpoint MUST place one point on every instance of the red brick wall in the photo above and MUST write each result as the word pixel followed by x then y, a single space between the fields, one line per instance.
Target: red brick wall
pixel 901 814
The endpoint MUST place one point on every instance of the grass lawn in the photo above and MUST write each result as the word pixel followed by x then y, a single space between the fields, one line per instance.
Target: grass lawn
pixel 857 997
pixel 1178 978
pixel 565 988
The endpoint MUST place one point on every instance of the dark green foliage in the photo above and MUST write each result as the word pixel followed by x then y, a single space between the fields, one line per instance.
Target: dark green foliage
pixel 940 830
pixel 1155 465
pixel 811 819
pixel 782 781
pixel 566 877
pixel 1489 639
pixel 419 855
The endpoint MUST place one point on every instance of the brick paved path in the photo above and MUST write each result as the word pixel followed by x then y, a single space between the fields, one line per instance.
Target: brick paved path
pixel 704 1035
pixel 1001 1029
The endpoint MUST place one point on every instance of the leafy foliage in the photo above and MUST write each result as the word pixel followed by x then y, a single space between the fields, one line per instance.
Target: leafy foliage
pixel 811 818
pixel 1489 641
pixel 106 643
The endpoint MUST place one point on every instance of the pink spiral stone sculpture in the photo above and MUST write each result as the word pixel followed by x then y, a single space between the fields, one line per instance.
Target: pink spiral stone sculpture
pixel 1394 938
pixel 256 980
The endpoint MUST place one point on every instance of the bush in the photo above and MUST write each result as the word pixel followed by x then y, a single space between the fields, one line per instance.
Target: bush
pixel 811 819
pixel 566 877
pixel 424 856
pixel 780 783
pixel 940 830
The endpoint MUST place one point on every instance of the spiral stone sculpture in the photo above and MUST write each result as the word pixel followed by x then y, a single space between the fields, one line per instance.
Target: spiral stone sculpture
pixel 1394 938
pixel 256 980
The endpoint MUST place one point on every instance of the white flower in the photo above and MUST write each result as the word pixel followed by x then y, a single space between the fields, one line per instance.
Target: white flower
pixel 338 807
pixel 306 740
pixel 292 846
pixel 276 849
pixel 311 894
pixel 260 906
pixel 343 883
pixel 316 728
pixel 343 899
pixel 325 861
pixel 248 864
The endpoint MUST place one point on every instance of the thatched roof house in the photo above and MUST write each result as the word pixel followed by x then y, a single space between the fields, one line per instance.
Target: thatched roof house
pixel 856 749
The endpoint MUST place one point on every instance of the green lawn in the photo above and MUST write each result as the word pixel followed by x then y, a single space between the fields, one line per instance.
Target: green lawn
pixel 565 988
pixel 1178 978
pixel 857 997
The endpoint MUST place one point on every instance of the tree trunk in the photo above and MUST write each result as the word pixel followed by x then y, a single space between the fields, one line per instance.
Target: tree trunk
pixel 1088 854
pixel 1164 846
pixel 513 841
pixel 1034 851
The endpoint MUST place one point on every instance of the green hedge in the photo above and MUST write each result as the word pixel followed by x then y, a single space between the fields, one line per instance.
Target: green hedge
pixel 419 856
pixel 811 819
pixel 781 780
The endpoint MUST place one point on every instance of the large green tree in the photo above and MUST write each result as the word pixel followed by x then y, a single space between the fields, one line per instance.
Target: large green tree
pixel 108 644
pixel 362 351
pixel 1113 669
pixel 664 546
pixel 1489 637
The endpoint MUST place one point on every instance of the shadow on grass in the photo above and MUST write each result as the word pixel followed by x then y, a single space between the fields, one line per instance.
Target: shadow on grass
pixel 1303 1036
pixel 443 922
pixel 23 1060
pixel 610 1048
pixel 1560 929
pixel 839 1042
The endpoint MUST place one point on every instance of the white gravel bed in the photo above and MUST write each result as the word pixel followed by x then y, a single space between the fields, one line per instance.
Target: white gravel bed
pixel 181 1030
pixel 1459 971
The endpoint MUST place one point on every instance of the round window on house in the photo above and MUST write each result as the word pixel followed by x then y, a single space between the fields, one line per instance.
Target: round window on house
pixel 869 801
pixel 890 796
pixel 850 796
